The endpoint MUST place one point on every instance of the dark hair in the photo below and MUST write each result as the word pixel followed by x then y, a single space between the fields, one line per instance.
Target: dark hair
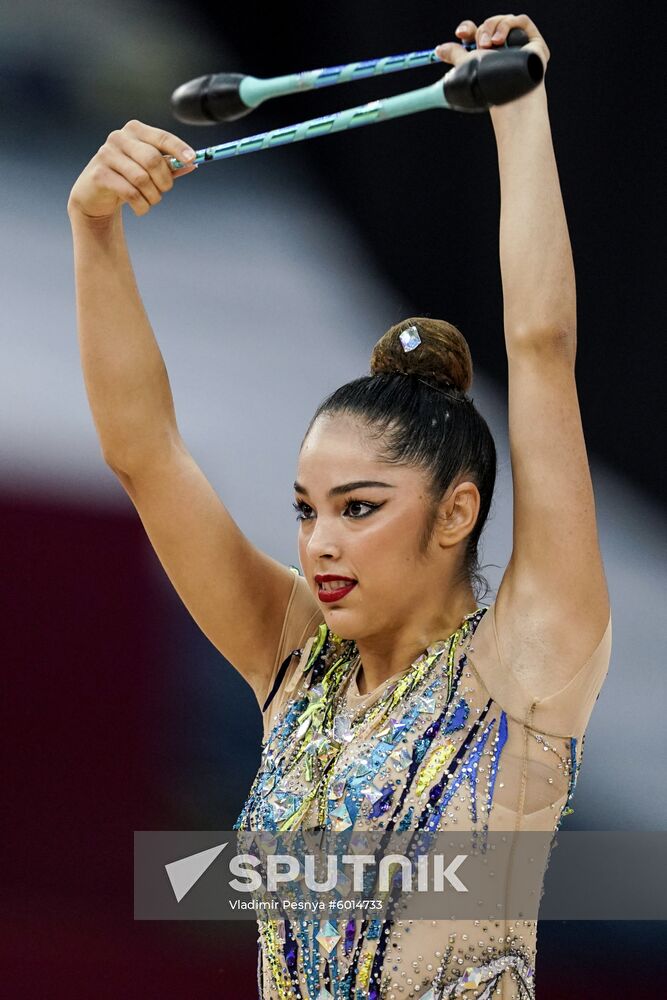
pixel 415 405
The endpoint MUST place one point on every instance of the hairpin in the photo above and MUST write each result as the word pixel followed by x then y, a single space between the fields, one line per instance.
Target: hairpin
pixel 450 395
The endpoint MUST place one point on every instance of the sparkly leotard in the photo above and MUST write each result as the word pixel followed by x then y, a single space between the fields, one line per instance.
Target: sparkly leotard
pixel 457 743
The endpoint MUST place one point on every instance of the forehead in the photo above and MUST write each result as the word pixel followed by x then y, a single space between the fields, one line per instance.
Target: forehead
pixel 340 449
pixel 338 437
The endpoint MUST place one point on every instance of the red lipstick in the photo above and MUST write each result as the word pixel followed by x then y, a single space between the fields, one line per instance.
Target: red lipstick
pixel 329 596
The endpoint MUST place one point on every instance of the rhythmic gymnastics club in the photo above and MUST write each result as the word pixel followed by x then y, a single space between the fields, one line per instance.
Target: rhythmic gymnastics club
pixel 226 97
pixel 474 86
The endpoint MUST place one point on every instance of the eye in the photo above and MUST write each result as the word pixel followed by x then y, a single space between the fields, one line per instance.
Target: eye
pixel 302 507
pixel 360 503
pixel 354 509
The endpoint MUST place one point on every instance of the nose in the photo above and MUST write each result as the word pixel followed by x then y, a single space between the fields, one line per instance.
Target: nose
pixel 322 542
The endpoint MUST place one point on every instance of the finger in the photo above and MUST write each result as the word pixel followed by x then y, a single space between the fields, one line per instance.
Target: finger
pixel 503 28
pixel 114 181
pixel 184 170
pixel 535 39
pixel 166 142
pixel 452 52
pixel 152 160
pixel 133 172
pixel 487 29
pixel 522 21
pixel 146 156
pixel 499 28
pixel 466 30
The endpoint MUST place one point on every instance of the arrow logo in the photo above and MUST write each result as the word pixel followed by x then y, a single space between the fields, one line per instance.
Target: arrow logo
pixel 185 872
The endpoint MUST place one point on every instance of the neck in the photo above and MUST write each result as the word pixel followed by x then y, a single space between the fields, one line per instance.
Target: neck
pixel 389 653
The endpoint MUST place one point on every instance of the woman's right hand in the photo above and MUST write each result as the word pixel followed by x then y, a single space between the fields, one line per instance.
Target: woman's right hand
pixel 130 167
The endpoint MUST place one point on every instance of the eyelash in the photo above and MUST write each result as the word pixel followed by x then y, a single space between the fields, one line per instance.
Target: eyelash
pixel 300 507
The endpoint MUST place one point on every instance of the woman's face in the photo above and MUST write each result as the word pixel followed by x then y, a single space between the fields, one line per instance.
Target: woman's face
pixel 370 533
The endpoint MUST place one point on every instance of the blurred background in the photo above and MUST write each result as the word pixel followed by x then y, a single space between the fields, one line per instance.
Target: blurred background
pixel 267 280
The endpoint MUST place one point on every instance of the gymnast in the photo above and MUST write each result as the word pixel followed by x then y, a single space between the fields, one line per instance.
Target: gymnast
pixel 391 698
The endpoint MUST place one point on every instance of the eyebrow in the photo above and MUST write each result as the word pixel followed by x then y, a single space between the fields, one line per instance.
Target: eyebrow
pixel 346 487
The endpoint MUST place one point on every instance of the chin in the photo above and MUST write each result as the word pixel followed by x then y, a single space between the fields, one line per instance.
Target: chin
pixel 348 625
pixel 341 622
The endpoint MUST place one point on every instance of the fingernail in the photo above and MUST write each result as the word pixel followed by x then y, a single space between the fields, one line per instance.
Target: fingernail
pixel 497 36
pixel 461 26
pixel 187 154
pixel 485 39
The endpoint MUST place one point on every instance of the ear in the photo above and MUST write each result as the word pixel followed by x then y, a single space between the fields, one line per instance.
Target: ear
pixel 457 513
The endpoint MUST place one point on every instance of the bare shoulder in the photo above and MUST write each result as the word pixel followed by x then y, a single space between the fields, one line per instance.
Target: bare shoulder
pixel 303 615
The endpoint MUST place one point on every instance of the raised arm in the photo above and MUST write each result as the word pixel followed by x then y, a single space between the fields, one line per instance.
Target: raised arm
pixel 235 593
pixel 553 595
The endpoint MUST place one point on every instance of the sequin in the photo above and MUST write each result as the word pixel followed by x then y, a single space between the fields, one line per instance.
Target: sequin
pixel 328 937
pixel 383 802
pixel 434 766
pixel 341 818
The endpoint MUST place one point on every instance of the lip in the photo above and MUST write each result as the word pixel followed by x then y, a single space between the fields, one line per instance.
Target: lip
pixel 330 596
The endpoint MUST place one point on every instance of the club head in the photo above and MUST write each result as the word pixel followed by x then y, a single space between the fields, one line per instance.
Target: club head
pixel 494 78
pixel 209 99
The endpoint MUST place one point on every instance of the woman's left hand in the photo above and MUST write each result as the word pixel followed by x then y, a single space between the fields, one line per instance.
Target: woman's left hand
pixel 491 34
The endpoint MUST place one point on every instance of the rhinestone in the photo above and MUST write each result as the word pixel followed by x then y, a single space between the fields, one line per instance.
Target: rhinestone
pixel 410 338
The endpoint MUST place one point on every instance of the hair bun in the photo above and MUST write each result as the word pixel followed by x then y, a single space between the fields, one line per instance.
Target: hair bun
pixel 443 354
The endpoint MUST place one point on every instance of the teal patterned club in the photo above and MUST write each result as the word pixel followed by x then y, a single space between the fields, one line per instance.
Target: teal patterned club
pixel 474 86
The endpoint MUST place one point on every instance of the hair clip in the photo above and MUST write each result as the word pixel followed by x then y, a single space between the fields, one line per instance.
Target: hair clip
pixel 409 338
pixel 450 392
